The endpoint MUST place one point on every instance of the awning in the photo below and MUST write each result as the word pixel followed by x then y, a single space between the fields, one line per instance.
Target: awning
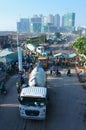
pixel 5 52
pixel 72 55
pixel 61 55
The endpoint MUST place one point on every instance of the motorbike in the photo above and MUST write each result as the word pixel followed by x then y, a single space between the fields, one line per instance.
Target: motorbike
pixel 69 73
pixel 58 74
pixel 55 73
pixel 3 91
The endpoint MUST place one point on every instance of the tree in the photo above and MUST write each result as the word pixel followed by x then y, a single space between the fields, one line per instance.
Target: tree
pixel 58 34
pixel 80 44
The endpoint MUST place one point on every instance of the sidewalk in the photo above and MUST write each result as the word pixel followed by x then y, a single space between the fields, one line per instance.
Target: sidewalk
pixel 82 79
pixel 2 76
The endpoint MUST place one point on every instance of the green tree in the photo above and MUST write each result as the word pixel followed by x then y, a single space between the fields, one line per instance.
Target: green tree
pixel 80 44
pixel 58 34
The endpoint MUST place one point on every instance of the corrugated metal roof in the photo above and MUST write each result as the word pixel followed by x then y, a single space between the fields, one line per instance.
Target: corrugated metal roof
pixel 5 52
pixel 72 55
pixel 61 55
pixel 65 55
pixel 34 92
pixel 6 33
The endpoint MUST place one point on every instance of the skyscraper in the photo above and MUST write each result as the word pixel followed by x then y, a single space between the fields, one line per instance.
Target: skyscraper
pixel 35 24
pixel 36 19
pixel 68 21
pixel 23 25
pixel 57 21
pixel 50 19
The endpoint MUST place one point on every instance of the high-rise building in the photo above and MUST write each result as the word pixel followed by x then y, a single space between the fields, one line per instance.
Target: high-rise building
pixel 51 23
pixel 68 21
pixel 23 25
pixel 35 27
pixel 50 19
pixel 57 21
pixel 36 19
pixel 35 24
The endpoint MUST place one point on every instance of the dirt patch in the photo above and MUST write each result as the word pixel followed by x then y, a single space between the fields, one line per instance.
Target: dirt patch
pixel 83 78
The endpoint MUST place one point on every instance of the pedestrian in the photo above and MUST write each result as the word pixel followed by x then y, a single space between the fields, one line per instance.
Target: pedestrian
pixel 31 67
pixel 66 62
pixel 58 61
pixel 50 52
pixel 51 69
pixel 18 87
pixel 56 71
pixel 22 81
pixel 68 72
pixel 81 74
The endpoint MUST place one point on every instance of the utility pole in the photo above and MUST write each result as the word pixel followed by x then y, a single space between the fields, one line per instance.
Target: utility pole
pixel 19 56
pixel 48 31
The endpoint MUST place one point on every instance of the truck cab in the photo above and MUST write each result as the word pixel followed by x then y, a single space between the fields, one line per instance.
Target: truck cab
pixel 33 103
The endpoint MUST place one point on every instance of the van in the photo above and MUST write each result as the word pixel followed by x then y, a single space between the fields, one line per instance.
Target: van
pixel 40 50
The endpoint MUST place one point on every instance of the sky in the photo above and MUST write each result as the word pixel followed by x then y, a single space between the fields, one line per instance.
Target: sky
pixel 12 10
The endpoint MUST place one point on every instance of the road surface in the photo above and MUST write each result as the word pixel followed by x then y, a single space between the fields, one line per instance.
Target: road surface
pixel 66 106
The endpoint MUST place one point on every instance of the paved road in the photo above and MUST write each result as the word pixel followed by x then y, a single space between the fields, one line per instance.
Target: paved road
pixel 68 100
pixel 66 107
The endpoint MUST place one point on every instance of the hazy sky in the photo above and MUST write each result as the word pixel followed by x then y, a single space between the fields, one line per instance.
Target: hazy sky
pixel 12 10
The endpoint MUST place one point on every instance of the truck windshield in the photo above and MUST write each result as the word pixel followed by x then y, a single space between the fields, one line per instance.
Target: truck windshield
pixel 33 101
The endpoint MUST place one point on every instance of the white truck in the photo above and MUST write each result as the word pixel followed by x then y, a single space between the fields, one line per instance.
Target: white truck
pixel 40 50
pixel 37 77
pixel 32 48
pixel 33 99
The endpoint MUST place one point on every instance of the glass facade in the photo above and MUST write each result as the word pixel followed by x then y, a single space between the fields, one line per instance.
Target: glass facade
pixel 51 23
pixel 23 25
pixel 68 20
pixel 35 27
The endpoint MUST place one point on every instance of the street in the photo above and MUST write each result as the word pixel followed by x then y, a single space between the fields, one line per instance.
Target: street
pixel 67 103
pixel 66 109
pixel 66 106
